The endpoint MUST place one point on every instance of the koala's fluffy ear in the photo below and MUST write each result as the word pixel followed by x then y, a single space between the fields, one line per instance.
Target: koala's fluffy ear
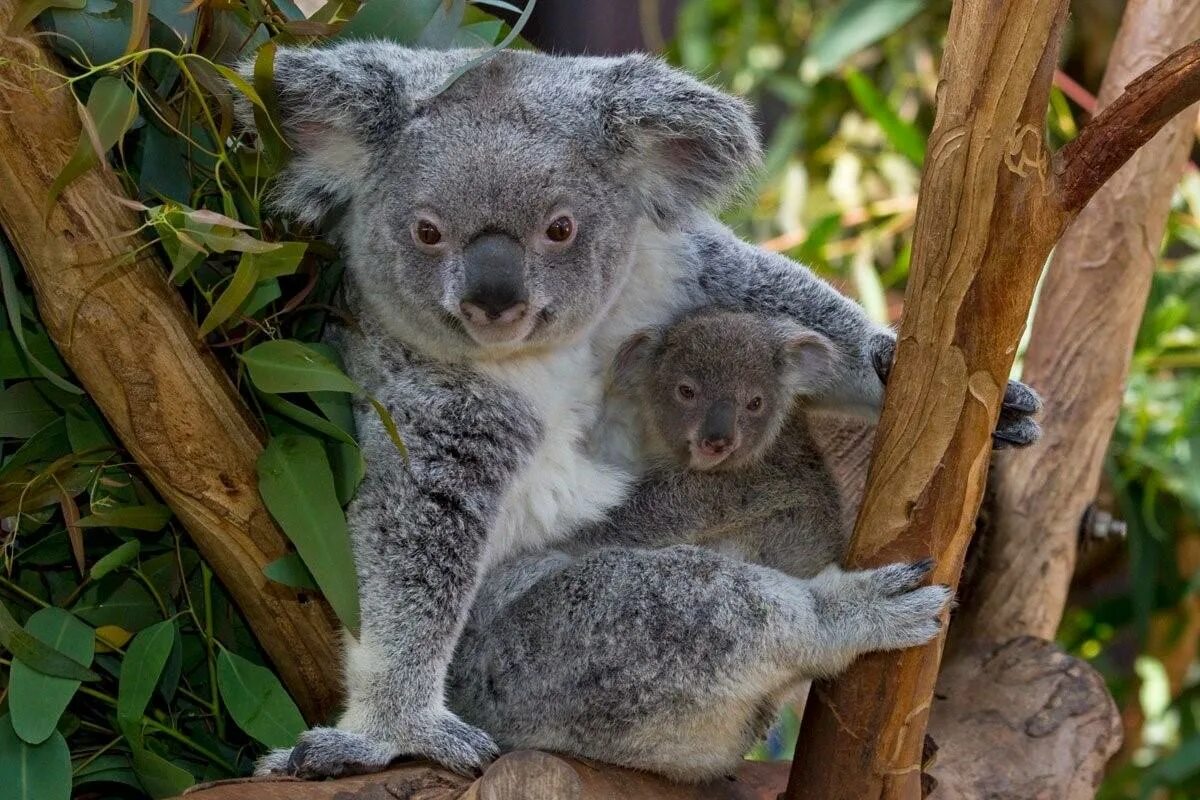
pixel 336 105
pixel 809 358
pixel 631 355
pixel 684 143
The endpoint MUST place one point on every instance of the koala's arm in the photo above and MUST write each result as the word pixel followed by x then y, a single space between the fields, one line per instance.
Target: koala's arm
pixel 670 659
pixel 722 270
pixel 419 527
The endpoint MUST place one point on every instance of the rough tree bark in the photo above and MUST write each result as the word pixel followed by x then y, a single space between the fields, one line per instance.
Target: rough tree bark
pixel 1089 310
pixel 993 203
pixel 128 337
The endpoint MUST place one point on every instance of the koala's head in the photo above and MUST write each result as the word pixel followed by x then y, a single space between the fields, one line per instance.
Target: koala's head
pixel 503 212
pixel 717 387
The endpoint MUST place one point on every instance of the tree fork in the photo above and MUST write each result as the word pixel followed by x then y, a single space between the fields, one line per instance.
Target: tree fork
pixel 1088 314
pixel 126 334
pixel 993 203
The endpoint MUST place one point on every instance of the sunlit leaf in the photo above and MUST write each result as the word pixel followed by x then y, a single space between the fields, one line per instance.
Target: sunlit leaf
pixel 37 700
pixel 903 136
pixel 236 291
pixel 853 26
pixel 257 702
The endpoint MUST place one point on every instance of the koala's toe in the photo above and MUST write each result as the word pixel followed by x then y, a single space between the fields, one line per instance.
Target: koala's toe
pixel 1022 399
pixel 1015 432
pixel 460 747
pixel 275 762
pixel 330 753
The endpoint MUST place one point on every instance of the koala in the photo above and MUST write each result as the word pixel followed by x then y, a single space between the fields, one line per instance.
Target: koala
pixel 503 232
pixel 675 659
pixel 732 463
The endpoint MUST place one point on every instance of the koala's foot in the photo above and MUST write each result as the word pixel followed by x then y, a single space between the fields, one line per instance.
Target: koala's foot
pixel 332 752
pixel 884 608
pixel 1016 426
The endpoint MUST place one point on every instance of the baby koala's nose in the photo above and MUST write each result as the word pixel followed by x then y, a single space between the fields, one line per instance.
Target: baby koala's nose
pixel 715 446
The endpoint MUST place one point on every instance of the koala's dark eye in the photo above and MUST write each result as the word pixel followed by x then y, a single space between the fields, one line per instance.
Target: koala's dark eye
pixel 686 392
pixel 426 232
pixel 755 404
pixel 560 229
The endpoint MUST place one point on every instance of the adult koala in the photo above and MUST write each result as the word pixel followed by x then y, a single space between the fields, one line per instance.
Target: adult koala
pixel 502 238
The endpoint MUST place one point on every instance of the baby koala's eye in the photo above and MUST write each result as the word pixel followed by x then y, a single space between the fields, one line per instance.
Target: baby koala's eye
pixel 755 404
pixel 426 233
pixel 686 392
pixel 561 229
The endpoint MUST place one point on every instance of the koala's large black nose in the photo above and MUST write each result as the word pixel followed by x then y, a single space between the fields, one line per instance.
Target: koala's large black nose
pixel 717 431
pixel 494 279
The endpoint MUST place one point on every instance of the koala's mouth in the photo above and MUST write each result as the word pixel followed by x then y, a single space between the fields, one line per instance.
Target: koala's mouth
pixel 500 332
pixel 703 460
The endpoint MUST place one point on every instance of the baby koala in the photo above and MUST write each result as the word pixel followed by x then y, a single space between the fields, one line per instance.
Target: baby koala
pixel 730 460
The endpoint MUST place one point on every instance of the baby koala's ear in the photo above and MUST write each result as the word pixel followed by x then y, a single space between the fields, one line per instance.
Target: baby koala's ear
pixel 809 358
pixel 631 356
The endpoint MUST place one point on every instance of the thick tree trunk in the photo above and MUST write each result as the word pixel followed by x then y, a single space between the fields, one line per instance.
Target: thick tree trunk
pixel 128 337
pixel 993 203
pixel 1089 310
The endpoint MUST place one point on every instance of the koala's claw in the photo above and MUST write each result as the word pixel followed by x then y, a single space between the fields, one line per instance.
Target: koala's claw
pixel 331 752
pixel 1016 427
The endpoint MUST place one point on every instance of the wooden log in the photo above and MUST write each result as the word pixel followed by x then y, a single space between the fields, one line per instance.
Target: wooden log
pixel 126 334
pixel 993 203
pixel 1088 314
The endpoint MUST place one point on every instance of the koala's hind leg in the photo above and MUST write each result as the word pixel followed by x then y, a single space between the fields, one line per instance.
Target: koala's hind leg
pixel 672 660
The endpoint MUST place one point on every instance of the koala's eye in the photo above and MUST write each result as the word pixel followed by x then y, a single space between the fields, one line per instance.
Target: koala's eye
pixel 426 233
pixel 686 392
pixel 755 404
pixel 560 229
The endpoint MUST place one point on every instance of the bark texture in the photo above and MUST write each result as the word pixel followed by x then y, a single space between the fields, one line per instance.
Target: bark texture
pixel 126 334
pixel 1088 314
pixel 993 203
pixel 1021 720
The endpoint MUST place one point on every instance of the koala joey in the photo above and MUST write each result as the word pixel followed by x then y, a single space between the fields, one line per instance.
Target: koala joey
pixel 731 462
pixel 503 230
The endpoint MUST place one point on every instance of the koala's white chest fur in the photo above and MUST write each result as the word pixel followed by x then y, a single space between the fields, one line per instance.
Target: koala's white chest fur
pixel 562 486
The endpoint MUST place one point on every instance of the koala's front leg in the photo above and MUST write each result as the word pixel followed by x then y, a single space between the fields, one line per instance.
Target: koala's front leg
pixel 420 528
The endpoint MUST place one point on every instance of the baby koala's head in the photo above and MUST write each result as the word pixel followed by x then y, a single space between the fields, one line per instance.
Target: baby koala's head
pixel 717 386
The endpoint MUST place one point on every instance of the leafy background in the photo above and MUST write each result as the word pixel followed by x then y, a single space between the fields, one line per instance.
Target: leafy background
pixel 129 673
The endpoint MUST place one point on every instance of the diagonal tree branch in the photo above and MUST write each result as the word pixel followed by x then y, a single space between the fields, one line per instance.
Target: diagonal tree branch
pixel 126 334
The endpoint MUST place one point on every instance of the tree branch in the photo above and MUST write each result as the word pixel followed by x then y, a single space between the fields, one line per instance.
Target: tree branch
pixel 990 211
pixel 123 329
pixel 1152 100
pixel 1087 319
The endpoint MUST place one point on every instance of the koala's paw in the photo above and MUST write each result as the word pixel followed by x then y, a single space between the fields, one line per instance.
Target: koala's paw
pixel 904 613
pixel 332 752
pixel 328 753
pixel 1016 426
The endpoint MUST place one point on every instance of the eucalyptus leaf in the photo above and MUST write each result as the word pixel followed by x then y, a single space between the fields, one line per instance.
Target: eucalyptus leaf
pixel 39 361
pixel 290 571
pixel 111 109
pixel 142 667
pixel 402 21
pixel 257 701
pixel 284 365
pixel 903 136
pixel 24 410
pixel 117 600
pixel 854 26
pixel 33 772
pixel 38 655
pixel 297 487
pixel 119 557
pixel 140 518
pixel 37 700
pixel 107 768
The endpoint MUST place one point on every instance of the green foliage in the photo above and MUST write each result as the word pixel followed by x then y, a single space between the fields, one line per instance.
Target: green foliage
pixel 126 668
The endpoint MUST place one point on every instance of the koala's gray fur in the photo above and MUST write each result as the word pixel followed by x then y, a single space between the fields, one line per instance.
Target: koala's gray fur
pixel 674 659
pixel 771 499
pixel 496 419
